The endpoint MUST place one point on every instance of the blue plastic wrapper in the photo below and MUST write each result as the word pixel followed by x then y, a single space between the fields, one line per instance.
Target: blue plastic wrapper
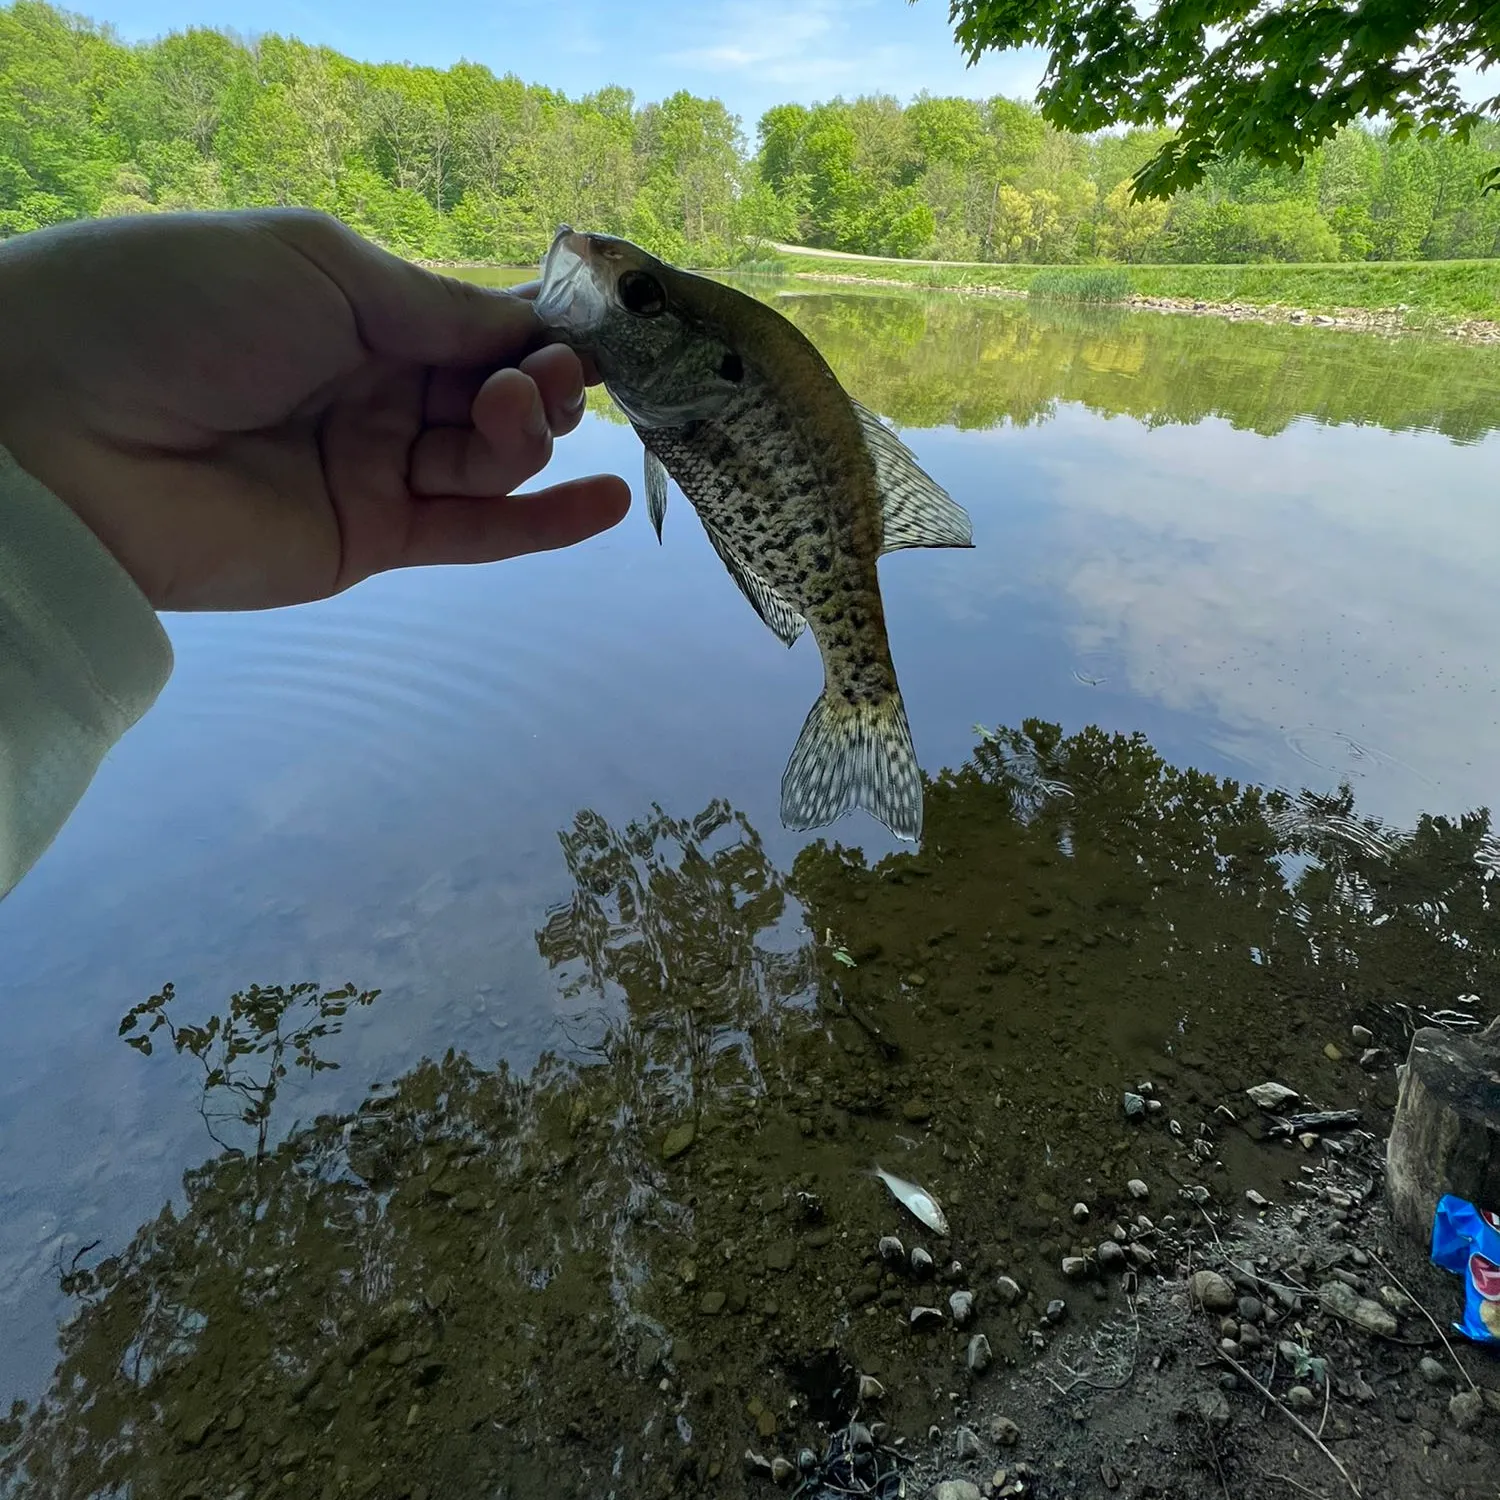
pixel 1466 1239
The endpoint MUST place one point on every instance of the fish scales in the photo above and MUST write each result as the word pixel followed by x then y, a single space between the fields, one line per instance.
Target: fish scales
pixel 800 491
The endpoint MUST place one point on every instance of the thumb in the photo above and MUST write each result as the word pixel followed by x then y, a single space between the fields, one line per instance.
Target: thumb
pixel 406 312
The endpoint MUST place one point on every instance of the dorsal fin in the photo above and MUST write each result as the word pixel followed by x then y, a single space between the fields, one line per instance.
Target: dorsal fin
pixel 656 491
pixel 918 512
pixel 768 604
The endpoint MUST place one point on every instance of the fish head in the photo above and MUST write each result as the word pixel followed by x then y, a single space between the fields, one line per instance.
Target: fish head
pixel 635 317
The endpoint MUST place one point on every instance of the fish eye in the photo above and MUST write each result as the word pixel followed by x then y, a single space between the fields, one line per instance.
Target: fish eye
pixel 732 368
pixel 641 293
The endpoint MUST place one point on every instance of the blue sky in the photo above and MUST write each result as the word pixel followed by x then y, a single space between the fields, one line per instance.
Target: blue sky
pixel 750 53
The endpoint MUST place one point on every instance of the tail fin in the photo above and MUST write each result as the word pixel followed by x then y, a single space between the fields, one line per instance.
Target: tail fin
pixel 854 755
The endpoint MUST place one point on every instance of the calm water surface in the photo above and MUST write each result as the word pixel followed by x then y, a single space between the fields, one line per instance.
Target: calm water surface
pixel 1270 551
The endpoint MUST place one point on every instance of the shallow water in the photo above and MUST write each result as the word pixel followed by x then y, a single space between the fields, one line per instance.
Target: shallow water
pixel 1269 551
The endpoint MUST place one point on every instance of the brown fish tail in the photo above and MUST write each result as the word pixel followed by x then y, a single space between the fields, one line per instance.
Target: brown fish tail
pixel 854 755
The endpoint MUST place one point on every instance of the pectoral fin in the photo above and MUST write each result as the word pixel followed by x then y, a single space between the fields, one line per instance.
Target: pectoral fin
pixel 918 512
pixel 768 604
pixel 656 491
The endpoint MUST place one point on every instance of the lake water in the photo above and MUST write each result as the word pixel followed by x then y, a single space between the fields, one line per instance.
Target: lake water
pixel 535 805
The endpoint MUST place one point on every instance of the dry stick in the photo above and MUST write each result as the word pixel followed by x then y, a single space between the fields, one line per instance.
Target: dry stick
pixel 1293 1418
pixel 1401 1285
pixel 1295 1484
pixel 1327 1392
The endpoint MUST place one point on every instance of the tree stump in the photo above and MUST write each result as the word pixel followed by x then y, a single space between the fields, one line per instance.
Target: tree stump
pixel 1446 1137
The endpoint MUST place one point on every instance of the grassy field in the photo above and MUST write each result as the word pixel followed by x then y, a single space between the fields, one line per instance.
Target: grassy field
pixel 1439 291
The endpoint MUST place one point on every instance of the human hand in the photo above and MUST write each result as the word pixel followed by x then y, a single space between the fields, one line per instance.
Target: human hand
pixel 260 408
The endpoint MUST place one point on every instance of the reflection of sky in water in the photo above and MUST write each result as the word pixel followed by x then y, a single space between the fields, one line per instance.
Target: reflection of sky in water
pixel 371 788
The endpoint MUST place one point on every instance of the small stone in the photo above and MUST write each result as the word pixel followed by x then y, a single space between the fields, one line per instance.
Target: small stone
pixel 1346 1303
pixel 954 1489
pixel 1111 1256
pixel 1057 1310
pixel 1250 1337
pixel 1250 1309
pixel 1300 1398
pixel 780 1255
pixel 1075 1267
pixel 1432 1372
pixel 1372 1058
pixel 679 1138
pixel 1362 1035
pixel 1004 1432
pixel 921 1261
pixel 194 1429
pixel 1137 1189
pixel 1213 1407
pixel 917 1110
pixel 891 1249
pixel 961 1305
pixel 862 1293
pixel 861 1439
pixel 1395 1299
pixel 923 1318
pixel 1135 1107
pixel 870 1389
pixel 979 1357
pixel 1211 1291
pixel 783 1470
pixel 1143 1255
pixel 1256 1200
pixel 1308 1140
pixel 1332 1053
pixel 1008 1290
pixel 1080 1213
pixel 1272 1096
pixel 1466 1410
pixel 756 1466
pixel 713 1303
pixel 966 1444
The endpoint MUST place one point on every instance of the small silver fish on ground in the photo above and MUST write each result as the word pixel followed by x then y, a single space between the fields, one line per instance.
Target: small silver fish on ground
pixel 916 1201
pixel 800 489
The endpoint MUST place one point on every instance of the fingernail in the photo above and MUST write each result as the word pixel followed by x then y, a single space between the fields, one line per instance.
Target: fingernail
pixel 576 403
pixel 535 422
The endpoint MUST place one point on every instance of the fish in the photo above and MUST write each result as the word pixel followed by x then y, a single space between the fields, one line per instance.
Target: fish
pixel 916 1201
pixel 800 489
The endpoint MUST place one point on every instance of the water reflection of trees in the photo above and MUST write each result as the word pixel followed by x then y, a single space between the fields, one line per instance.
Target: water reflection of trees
pixel 474 1283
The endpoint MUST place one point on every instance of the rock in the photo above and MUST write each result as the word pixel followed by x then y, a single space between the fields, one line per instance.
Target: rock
pixel 1111 1256
pixel 1075 1267
pixel 917 1110
pixel 863 1292
pixel 1466 1410
pixel 1308 1139
pixel 1137 1189
pixel 1135 1107
pixel 979 1357
pixel 1432 1372
pixel 783 1470
pixel 1004 1433
pixel 1397 1300
pixel 966 1444
pixel 1057 1310
pixel 679 1138
pixel 1300 1398
pixel 1211 1291
pixel 891 1249
pixel 1346 1303
pixel 921 1261
pixel 870 1389
pixel 1446 1136
pixel 807 1460
pixel 780 1255
pixel 1272 1096
pixel 712 1303
pixel 1362 1035
pixel 1250 1309
pixel 1213 1407
pixel 1080 1213
pixel 923 1318
pixel 1372 1058
pixel 954 1489
pixel 961 1305
pixel 756 1466
pixel 1332 1053
pixel 1008 1290
pixel 861 1439
pixel 1256 1200
pixel 194 1429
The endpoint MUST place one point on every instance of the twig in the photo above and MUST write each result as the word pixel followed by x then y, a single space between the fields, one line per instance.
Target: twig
pixel 1401 1285
pixel 1294 1419
pixel 1270 1376
pixel 1295 1484
pixel 1327 1393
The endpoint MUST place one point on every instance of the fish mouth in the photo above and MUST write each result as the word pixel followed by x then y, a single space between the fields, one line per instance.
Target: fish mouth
pixel 570 302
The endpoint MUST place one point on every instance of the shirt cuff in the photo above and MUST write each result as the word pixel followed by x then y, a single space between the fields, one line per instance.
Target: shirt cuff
pixel 82 658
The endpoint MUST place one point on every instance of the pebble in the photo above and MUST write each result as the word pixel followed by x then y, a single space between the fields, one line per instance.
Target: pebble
pixel 1251 1309
pixel 961 1305
pixel 1137 1189
pixel 917 1110
pixel 1362 1034
pixel 1080 1213
pixel 756 1466
pixel 1213 1406
pixel 780 1255
pixel 1272 1095
pixel 679 1138
pixel 1008 1289
pixel 1433 1372
pixel 1466 1410
pixel 1333 1053
pixel 1345 1302
pixel 783 1470
pixel 954 1489
pixel 921 1261
pixel 1004 1432
pixel 926 1317
pixel 1075 1267
pixel 979 1358
pixel 1210 1290
pixel 1057 1310
pixel 966 1444
pixel 1135 1107
pixel 891 1249
pixel 712 1303
pixel 1308 1140
pixel 1300 1398
pixel 1257 1200
pixel 1111 1256
pixel 870 1389
pixel 1372 1058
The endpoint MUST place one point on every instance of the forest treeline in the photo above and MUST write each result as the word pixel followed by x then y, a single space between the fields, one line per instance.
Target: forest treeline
pixel 460 164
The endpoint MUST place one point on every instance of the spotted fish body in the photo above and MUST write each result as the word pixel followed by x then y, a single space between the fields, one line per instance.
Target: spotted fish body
pixel 799 488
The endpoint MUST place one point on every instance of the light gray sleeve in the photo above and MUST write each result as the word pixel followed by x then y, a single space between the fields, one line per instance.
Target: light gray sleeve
pixel 82 657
